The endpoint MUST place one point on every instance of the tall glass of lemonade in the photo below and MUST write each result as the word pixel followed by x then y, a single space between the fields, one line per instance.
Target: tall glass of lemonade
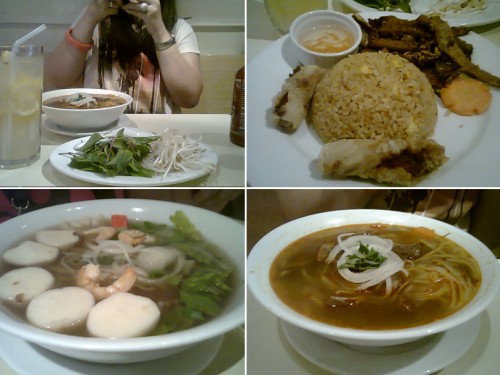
pixel 21 81
pixel 283 12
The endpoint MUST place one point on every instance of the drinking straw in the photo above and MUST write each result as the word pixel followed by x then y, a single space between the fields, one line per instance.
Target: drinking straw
pixel 30 35
pixel 16 46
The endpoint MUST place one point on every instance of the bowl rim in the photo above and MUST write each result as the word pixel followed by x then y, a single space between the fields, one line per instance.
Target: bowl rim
pixel 326 12
pixel 261 256
pixel 61 92
pixel 228 320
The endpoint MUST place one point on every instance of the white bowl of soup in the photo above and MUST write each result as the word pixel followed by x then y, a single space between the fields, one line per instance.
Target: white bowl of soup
pixel 83 109
pixel 324 37
pixel 372 278
pixel 78 299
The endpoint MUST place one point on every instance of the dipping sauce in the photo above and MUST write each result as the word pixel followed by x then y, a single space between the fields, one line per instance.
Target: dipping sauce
pixel 328 39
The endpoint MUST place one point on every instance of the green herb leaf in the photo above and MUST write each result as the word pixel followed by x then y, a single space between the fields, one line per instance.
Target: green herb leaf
pixel 366 258
pixel 404 5
pixel 115 156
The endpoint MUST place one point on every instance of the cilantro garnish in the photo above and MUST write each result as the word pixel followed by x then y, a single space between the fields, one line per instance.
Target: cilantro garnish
pixel 366 258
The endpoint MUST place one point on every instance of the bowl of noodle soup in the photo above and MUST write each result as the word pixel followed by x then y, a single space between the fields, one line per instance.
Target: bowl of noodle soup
pixel 84 109
pixel 195 235
pixel 372 278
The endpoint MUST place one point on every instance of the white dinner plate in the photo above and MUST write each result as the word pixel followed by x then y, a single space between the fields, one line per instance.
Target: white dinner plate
pixel 476 18
pixel 50 125
pixel 29 359
pixel 431 356
pixel 278 159
pixel 61 163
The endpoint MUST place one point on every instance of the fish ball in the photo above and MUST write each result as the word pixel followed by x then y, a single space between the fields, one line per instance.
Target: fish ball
pixel 156 258
pixel 60 309
pixel 22 284
pixel 30 253
pixel 123 315
pixel 63 239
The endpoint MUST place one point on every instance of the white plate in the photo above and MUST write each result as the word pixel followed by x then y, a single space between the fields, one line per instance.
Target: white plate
pixel 278 159
pixel 481 17
pixel 58 129
pixel 429 357
pixel 60 163
pixel 41 361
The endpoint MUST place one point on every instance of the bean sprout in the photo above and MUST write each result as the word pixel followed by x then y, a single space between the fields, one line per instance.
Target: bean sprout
pixel 174 152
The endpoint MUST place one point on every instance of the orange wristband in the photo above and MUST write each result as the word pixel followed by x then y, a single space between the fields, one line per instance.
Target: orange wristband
pixel 82 47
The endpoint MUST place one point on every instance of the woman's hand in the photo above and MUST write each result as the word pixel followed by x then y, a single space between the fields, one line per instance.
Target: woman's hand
pixel 149 11
pixel 181 73
pixel 100 9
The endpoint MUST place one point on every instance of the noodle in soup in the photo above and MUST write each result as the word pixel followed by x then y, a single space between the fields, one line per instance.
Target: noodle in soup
pixel 375 276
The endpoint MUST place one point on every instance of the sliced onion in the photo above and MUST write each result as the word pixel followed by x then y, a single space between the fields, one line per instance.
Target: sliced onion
pixel 333 254
pixel 350 245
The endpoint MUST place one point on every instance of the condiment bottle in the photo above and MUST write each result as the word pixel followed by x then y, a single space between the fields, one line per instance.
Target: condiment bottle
pixel 237 133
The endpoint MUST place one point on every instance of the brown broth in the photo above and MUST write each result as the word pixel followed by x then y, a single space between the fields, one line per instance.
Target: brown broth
pixel 102 101
pixel 306 285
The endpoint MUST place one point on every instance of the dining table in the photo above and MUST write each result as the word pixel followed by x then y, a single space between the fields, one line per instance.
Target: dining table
pixel 210 129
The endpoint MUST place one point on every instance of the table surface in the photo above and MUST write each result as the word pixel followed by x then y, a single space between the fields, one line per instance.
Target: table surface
pixel 213 128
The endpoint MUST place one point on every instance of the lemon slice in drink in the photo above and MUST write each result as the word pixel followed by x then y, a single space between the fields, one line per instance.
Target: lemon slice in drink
pixel 24 98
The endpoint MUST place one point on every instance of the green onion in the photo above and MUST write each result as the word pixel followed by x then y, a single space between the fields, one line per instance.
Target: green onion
pixel 366 258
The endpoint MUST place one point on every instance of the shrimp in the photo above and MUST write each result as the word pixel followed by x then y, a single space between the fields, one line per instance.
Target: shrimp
pixel 88 277
pixel 134 237
pixel 103 233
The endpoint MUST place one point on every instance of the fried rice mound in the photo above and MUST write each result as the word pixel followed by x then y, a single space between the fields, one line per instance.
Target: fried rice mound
pixel 374 95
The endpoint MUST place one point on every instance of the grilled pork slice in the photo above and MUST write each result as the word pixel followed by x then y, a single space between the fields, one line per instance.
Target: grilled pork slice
pixel 388 161
pixel 449 45
pixel 291 104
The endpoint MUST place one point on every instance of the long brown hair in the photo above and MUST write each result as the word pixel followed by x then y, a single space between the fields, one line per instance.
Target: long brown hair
pixel 122 38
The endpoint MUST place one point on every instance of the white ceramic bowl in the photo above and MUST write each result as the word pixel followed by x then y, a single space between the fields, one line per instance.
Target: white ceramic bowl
pixel 264 252
pixel 84 119
pixel 225 232
pixel 307 22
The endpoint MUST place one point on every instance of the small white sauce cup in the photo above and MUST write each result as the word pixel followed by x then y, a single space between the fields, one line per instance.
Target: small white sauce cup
pixel 309 21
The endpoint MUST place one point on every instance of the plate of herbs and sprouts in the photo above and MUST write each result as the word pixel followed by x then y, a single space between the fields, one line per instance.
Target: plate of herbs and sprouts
pixel 131 157
pixel 455 12
pixel 278 158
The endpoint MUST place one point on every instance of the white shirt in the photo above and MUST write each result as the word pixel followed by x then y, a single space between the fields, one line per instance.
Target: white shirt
pixel 148 90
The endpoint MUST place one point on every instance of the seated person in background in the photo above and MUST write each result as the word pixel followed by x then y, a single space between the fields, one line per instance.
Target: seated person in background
pixel 139 48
